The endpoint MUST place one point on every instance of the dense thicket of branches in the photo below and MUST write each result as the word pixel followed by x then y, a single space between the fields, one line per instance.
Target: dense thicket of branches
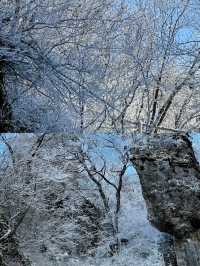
pixel 56 194
pixel 102 64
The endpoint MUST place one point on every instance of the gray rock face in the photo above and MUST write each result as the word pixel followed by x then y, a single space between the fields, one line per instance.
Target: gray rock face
pixel 170 178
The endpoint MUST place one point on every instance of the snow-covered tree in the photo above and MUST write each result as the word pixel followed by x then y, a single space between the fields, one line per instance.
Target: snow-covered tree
pixel 60 208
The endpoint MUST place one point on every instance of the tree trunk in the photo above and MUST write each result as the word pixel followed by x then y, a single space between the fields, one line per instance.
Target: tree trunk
pixel 5 108
pixel 170 177
pixel 10 253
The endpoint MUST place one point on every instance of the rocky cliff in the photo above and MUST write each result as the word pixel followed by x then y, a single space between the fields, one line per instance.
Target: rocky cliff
pixel 170 178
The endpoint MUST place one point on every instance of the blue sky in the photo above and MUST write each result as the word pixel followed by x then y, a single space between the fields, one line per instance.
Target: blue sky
pixel 7 136
pixel 195 137
pixel 2 147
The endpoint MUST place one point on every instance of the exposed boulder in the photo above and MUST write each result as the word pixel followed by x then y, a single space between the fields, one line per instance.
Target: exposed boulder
pixel 170 178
